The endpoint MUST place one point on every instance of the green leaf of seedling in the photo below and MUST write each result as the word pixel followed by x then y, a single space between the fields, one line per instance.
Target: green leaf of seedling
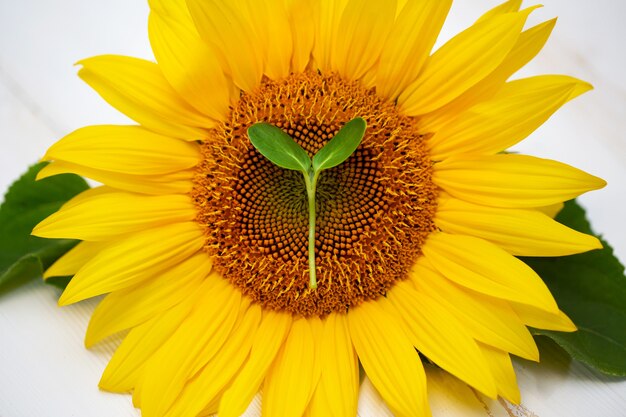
pixel 279 147
pixel 591 289
pixel 22 256
pixel 339 148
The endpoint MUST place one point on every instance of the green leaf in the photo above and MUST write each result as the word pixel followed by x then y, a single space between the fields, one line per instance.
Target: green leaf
pixel 339 148
pixel 591 289
pixel 59 282
pixel 279 147
pixel 22 256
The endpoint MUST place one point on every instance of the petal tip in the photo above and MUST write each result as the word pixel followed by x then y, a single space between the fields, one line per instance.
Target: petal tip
pixel 36 231
pixel 44 173
pixel 91 338
pixel 40 176
pixel 567 325
pixel 531 9
pixel 585 85
pixel 532 353
pixel 42 229
pixel 68 297
pixel 595 243
pixel 600 183
pixel 514 397
pixel 46 230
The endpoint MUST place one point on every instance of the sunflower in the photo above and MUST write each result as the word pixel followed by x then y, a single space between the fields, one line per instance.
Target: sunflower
pixel 200 241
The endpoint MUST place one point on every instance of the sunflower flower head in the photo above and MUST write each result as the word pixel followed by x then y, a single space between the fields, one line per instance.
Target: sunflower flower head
pixel 232 273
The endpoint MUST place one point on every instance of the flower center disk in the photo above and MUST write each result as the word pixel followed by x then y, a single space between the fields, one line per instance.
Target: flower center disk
pixel 374 211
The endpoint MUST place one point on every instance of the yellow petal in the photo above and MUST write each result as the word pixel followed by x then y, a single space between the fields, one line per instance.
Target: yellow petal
pixel 274 35
pixel 74 259
pixel 125 149
pixel 88 195
pixel 528 45
pixel 174 183
pixel 132 306
pixel 187 62
pixel 126 366
pixel 512 180
pixel 303 33
pixel 227 27
pixel 137 392
pixel 552 210
pixel 364 26
pixel 266 343
pixel 518 231
pixel 138 89
pixel 337 392
pixel 441 337
pixel 174 9
pixel 451 397
pixel 506 7
pixel 389 359
pixel 110 214
pixel 481 266
pixel 292 378
pixel 239 305
pixel 134 259
pixel 503 372
pixel 487 319
pixel 368 80
pixel 541 319
pixel 211 408
pixel 515 112
pixel 211 380
pixel 327 15
pixel 411 39
pixel 193 344
pixel 462 62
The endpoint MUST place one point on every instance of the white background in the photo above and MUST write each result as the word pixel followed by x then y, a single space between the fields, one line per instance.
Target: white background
pixel 45 371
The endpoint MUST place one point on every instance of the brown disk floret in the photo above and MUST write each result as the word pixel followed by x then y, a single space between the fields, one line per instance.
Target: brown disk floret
pixel 374 211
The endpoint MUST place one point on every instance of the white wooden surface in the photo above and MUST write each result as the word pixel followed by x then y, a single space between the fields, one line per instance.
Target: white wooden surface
pixel 44 369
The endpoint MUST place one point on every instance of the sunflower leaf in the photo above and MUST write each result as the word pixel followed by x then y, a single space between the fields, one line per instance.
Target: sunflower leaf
pixel 22 256
pixel 591 289
pixel 59 282
pixel 341 146
pixel 277 146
